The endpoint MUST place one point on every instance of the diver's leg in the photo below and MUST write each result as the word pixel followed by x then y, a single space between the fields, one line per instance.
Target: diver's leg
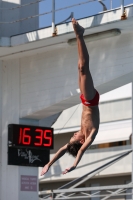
pixel 85 78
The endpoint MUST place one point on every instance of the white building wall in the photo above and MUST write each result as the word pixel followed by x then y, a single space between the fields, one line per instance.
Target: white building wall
pixel 91 160
pixel 49 80
pixel 9 113
pixel 41 85
pixel 117 94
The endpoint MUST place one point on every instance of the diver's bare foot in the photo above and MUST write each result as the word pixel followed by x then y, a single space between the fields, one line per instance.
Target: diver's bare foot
pixel 79 30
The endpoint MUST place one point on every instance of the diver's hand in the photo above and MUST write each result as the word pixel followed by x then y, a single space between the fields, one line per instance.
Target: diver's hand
pixel 45 169
pixel 68 170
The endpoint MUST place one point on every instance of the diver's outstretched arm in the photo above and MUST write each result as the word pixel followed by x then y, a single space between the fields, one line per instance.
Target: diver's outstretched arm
pixel 58 155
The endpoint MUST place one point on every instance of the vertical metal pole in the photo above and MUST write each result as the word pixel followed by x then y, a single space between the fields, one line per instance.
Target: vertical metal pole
pixel 132 137
pixel 53 17
pixel 122 7
pixel 111 4
pixel 123 13
pixel 52 195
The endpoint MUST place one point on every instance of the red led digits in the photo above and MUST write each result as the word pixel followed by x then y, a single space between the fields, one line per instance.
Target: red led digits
pixel 39 137
pixel 33 137
pixel 49 138
pixel 24 138
pixel 20 135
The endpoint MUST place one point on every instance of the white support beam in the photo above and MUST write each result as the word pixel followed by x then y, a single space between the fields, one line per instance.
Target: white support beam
pixel 113 193
pixel 84 178
pixel 122 7
pixel 53 17
pixel 111 4
pixel 82 193
pixel 123 12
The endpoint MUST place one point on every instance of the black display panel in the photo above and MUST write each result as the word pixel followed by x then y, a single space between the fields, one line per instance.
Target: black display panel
pixel 25 136
pixel 28 157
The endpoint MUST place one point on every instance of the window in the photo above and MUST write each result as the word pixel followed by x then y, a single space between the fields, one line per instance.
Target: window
pixel 108 145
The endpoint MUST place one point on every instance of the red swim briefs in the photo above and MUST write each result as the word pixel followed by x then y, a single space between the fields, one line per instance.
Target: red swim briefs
pixel 93 102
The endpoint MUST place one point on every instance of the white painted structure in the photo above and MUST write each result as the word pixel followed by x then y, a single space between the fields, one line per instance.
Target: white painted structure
pixel 10 93
pixel 38 78
pixel 91 160
pixel 109 67
pixel 69 121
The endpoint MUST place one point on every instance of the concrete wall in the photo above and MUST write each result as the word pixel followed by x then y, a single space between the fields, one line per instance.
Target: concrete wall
pixel 9 113
pixel 111 111
pixel 91 160
pixel 44 84
pixel 9 29
pixel 119 110
pixel 49 80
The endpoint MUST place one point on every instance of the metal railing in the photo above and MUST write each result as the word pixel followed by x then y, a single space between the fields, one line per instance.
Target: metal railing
pixel 60 193
pixel 123 16
pixel 104 192
pixel 53 11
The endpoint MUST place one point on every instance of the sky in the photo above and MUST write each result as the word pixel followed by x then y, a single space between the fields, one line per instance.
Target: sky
pixel 81 11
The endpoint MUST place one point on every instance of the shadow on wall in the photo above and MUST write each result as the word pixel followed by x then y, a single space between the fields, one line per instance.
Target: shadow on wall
pixel 9 29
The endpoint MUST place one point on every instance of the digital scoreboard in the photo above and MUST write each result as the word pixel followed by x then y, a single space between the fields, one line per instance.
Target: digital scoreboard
pixel 30 136
pixel 29 145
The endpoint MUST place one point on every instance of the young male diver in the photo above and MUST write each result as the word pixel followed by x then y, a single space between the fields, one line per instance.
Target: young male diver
pixel 82 139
